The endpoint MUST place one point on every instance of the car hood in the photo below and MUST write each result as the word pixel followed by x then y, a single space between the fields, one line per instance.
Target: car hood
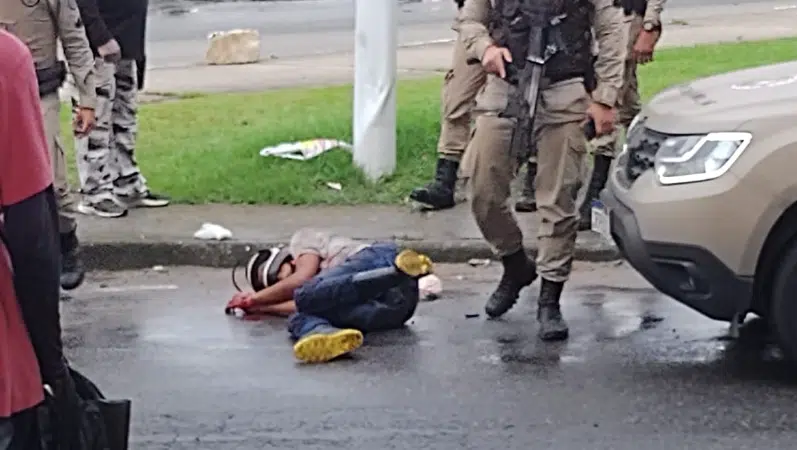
pixel 725 102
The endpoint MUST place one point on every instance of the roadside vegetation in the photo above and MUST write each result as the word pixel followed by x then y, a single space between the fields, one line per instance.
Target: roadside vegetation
pixel 205 148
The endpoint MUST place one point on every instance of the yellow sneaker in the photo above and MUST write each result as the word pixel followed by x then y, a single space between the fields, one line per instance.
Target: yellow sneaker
pixel 327 345
pixel 413 263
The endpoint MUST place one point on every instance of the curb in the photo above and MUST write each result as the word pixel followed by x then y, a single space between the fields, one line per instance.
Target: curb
pixel 140 255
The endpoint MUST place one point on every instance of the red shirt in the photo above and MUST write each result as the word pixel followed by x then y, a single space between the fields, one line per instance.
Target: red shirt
pixel 24 171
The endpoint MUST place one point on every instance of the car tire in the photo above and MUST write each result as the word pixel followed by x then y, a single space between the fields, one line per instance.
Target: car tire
pixel 783 310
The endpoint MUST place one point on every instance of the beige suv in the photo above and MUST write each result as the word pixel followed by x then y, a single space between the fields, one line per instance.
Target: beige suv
pixel 702 200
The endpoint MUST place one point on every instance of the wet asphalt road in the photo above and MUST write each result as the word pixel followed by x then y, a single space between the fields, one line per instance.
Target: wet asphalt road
pixel 178 29
pixel 639 372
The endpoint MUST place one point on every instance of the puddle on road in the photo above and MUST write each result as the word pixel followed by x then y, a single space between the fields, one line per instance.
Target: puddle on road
pixel 535 360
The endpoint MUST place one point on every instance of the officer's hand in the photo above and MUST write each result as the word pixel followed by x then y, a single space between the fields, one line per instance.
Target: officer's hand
pixel 603 116
pixel 84 121
pixel 645 46
pixel 110 51
pixel 493 60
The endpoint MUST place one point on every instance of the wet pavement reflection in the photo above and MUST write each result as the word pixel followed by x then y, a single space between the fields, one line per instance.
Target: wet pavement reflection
pixel 638 369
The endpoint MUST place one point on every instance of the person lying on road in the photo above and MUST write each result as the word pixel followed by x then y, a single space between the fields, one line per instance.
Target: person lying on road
pixel 333 289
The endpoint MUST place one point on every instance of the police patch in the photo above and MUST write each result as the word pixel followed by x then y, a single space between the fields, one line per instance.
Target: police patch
pixel 30 3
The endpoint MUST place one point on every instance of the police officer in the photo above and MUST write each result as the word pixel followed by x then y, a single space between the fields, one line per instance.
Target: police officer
pixel 644 22
pixel 111 180
pixel 40 24
pixel 488 28
pixel 461 84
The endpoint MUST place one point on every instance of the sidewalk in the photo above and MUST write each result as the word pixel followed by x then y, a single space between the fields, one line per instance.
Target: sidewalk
pixel 164 236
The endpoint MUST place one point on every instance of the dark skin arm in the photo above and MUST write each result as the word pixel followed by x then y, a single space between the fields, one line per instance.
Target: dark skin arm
pixel 306 266
pixel 283 309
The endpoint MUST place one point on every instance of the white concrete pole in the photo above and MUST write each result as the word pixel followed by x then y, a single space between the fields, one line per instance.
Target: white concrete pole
pixel 375 75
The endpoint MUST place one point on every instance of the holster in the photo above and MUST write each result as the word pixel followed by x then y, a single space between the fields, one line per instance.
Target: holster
pixel 630 7
pixel 51 78
pixel 590 80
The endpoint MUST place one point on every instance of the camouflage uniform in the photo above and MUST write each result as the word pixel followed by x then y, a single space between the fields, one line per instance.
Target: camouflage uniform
pixel 40 24
pixel 558 136
pixel 110 179
pixel 605 147
pixel 105 158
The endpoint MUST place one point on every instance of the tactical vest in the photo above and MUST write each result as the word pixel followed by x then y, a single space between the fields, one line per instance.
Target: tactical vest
pixel 638 7
pixel 511 21
pixel 33 22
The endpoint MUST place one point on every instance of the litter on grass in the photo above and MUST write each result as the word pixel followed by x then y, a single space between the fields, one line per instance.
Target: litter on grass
pixel 304 150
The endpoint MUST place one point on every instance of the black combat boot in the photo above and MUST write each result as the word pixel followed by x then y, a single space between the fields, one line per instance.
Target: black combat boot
pixel 600 173
pixel 72 272
pixel 527 202
pixel 519 272
pixel 552 325
pixel 439 194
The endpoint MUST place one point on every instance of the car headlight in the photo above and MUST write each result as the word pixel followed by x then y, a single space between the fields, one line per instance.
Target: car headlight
pixel 687 159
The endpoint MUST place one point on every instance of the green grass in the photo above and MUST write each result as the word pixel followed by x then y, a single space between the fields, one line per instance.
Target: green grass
pixel 204 148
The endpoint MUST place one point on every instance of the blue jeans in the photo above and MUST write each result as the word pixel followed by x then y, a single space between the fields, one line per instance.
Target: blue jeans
pixel 332 299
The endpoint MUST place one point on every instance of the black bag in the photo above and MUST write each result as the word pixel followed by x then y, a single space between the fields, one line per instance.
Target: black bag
pixel 104 424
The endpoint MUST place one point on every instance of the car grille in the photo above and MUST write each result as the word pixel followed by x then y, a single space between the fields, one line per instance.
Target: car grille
pixel 642 148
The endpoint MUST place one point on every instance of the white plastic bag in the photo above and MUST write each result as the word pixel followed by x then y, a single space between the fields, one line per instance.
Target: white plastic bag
pixel 211 231
pixel 304 150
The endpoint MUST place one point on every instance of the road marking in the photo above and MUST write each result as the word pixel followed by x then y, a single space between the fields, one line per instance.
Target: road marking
pixel 783 8
pixel 147 287
pixel 424 43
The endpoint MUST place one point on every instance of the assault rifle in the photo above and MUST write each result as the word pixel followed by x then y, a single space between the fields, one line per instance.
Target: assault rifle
pixel 543 43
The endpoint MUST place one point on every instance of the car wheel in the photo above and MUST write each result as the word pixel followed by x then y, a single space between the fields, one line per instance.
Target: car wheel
pixel 783 312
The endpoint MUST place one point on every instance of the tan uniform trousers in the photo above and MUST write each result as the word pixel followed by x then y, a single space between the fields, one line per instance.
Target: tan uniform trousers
pixel 460 87
pixel 51 107
pixel 630 104
pixel 561 156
